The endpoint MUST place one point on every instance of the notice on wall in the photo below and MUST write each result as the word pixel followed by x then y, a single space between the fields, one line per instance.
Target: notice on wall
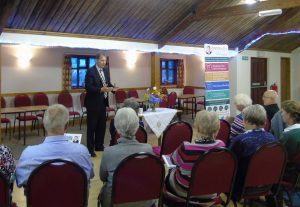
pixel 217 87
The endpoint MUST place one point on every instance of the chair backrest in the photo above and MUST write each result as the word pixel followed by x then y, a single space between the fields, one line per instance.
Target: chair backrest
pixel 22 100
pixel 164 103
pixel 120 96
pixel 188 90
pixel 138 177
pixel 140 135
pixel 213 172
pixel 4 191
pixel 172 98
pixel 267 125
pixel 82 98
pixel 133 93
pixel 65 99
pixel 224 131
pixel 174 135
pixel 57 183
pixel 265 169
pixel 40 99
pixel 3 102
pixel 164 90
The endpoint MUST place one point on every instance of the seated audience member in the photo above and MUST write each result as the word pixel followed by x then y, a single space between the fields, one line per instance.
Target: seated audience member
pixel 270 103
pixel 131 103
pixel 246 144
pixel 277 125
pixel 241 101
pixel 177 182
pixel 291 135
pixel 55 146
pixel 126 123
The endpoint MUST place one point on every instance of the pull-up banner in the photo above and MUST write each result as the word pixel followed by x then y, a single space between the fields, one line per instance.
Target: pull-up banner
pixel 217 91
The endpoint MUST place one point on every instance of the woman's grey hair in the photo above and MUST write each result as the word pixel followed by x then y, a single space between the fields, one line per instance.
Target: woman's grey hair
pixel 208 123
pixel 255 114
pixel 132 103
pixel 55 118
pixel 126 122
pixel 242 99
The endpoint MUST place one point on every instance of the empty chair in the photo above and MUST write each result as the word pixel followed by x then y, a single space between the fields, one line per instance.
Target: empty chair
pixel 176 133
pixel 40 99
pixel 188 90
pixel 139 177
pixel 108 110
pixel 200 102
pixel 65 99
pixel 23 100
pixel 224 131
pixel 172 100
pixel 164 103
pixel 120 96
pixel 213 172
pixel 164 90
pixel 133 93
pixel 83 109
pixel 265 170
pixel 140 135
pixel 58 183
pixel 5 120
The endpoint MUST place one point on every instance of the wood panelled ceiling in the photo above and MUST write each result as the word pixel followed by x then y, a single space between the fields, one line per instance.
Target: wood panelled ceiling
pixel 192 22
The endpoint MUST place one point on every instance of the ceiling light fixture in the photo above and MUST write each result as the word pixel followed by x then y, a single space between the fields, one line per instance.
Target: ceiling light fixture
pixel 272 12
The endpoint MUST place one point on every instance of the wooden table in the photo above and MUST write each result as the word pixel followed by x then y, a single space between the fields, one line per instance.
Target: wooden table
pixel 23 110
pixel 186 97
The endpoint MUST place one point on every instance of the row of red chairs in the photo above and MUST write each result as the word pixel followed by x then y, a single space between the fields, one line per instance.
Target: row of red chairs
pixel 65 184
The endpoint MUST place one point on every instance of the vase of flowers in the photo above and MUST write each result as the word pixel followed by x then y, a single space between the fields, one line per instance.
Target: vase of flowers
pixel 153 97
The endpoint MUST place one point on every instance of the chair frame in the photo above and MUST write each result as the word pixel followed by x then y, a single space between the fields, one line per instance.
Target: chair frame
pixel 197 165
pixel 170 128
pixel 5 120
pixel 129 158
pixel 46 164
pixel 83 112
pixel 224 138
pixel 6 191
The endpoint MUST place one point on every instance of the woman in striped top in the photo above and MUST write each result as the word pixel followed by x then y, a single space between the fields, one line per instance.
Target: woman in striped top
pixel 184 157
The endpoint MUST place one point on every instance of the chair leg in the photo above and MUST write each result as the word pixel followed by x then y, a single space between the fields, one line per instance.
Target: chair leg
pixel 80 121
pixel 74 120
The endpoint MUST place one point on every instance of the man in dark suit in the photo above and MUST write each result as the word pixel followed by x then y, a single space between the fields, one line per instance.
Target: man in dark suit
pixel 97 85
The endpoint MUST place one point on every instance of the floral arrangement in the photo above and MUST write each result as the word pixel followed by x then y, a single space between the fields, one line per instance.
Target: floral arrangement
pixel 153 97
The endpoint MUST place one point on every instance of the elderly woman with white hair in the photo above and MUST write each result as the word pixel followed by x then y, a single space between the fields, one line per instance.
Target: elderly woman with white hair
pixel 177 182
pixel 241 101
pixel 246 144
pixel 126 123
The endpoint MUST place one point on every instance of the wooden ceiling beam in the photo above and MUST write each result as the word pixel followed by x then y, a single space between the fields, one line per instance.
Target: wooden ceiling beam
pixel 244 9
pixel 6 9
pixel 275 26
pixel 183 23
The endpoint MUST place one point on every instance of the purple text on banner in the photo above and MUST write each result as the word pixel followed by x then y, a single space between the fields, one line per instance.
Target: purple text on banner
pixel 216 66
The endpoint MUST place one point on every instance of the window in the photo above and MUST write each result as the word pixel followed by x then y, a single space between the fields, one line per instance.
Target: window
pixel 168 71
pixel 80 64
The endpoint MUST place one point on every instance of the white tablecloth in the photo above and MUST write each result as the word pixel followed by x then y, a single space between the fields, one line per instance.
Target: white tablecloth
pixel 159 119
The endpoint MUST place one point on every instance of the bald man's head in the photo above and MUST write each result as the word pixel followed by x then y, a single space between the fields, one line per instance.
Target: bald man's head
pixel 270 97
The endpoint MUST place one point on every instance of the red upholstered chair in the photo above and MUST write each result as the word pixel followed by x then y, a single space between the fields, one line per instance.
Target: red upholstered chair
pixel 133 93
pixel 164 90
pixel 138 177
pixel 140 135
pixel 213 172
pixel 58 183
pixel 290 184
pixel 175 134
pixel 188 90
pixel 200 102
pixel 65 99
pixel 224 131
pixel 265 170
pixel 5 120
pixel 83 109
pixel 267 125
pixel 108 110
pixel 120 96
pixel 172 100
pixel 5 191
pixel 164 103
pixel 22 100
pixel 40 99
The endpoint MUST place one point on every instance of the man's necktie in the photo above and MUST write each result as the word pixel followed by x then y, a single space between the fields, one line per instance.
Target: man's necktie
pixel 103 81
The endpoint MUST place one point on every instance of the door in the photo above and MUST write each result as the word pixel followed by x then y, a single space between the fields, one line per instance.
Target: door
pixel 258 79
pixel 285 89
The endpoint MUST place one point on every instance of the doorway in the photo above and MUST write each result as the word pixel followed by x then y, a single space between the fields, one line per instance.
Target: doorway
pixel 285 74
pixel 258 79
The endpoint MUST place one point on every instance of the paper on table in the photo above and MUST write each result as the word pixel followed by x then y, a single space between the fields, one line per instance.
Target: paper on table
pixel 168 161
pixel 75 138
